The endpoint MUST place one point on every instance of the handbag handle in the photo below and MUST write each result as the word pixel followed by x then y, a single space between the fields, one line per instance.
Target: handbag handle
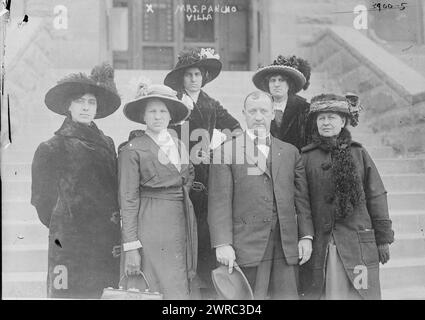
pixel 144 278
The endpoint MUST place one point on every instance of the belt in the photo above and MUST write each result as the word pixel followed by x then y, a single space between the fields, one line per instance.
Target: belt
pixel 172 193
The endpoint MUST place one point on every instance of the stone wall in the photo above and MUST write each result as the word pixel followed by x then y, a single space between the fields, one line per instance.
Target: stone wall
pixel 84 42
pixel 393 94
pixel 28 62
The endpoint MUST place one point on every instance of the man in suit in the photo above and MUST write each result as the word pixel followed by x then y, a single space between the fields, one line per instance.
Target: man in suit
pixel 258 206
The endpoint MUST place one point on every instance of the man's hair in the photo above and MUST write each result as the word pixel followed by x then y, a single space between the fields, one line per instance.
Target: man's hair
pixel 256 95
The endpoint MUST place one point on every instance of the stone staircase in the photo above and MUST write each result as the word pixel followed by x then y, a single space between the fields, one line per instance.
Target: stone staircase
pixel 24 238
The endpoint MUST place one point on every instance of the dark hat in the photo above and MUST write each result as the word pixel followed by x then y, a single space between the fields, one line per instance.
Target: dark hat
pixel 348 105
pixel 100 83
pixel 134 110
pixel 194 58
pixel 288 67
pixel 231 286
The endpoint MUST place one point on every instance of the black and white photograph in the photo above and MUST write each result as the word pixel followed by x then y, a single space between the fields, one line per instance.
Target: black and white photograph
pixel 212 150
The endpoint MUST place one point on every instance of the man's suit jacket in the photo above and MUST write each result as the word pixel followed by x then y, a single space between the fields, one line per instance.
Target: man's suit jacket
pixel 240 204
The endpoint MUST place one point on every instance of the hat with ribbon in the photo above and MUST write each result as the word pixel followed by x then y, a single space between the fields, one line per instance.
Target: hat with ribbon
pixel 135 109
pixel 348 105
pixel 204 58
pixel 296 69
pixel 100 83
pixel 231 286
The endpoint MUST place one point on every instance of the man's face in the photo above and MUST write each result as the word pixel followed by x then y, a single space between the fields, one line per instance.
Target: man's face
pixel 259 114
pixel 192 79
pixel 278 87
pixel 83 109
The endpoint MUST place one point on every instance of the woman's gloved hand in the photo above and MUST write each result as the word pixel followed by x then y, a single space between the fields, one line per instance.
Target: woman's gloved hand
pixel 384 253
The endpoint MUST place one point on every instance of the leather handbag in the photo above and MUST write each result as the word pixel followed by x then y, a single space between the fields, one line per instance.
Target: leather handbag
pixel 134 289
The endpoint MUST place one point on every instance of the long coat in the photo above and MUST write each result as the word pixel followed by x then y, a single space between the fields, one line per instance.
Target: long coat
pixel 156 210
pixel 356 236
pixel 295 126
pixel 207 114
pixel 74 189
pixel 239 209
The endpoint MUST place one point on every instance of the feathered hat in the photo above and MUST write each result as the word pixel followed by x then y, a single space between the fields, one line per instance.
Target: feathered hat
pixel 349 105
pixel 100 83
pixel 194 58
pixel 135 109
pixel 297 69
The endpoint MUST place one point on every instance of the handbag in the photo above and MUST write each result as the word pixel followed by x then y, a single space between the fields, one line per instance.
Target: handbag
pixel 132 291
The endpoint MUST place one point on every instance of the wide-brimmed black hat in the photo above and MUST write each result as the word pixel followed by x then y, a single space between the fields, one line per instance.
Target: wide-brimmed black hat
pixel 135 109
pixel 292 67
pixel 231 286
pixel 100 83
pixel 349 105
pixel 194 58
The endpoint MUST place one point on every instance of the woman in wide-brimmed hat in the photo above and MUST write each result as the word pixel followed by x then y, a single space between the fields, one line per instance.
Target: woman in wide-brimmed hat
pixel 75 187
pixel 348 205
pixel 158 223
pixel 194 69
pixel 283 79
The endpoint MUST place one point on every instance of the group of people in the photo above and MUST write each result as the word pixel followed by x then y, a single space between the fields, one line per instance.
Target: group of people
pixel 291 205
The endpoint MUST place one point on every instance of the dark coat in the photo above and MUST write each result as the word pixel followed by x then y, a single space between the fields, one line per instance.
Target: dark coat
pixel 295 127
pixel 239 209
pixel 207 114
pixel 74 189
pixel 357 235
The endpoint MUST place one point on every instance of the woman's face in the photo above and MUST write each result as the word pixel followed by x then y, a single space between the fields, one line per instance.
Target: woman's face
pixel 157 116
pixel 83 109
pixel 278 87
pixel 330 124
pixel 192 79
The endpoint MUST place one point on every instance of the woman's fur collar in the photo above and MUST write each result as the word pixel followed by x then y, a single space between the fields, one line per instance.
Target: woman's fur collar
pixel 347 185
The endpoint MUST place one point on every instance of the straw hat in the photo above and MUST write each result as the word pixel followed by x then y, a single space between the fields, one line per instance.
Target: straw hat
pixel 135 109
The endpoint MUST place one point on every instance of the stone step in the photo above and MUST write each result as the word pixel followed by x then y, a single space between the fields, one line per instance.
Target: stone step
pixel 24 284
pixel 19 233
pixel 406 293
pixel 406 201
pixel 20 210
pixel 21 189
pixel 408 222
pixel 408 246
pixel 398 273
pixel 401 165
pixel 381 152
pixel 25 246
pixel 394 276
pixel 24 258
pixel 404 182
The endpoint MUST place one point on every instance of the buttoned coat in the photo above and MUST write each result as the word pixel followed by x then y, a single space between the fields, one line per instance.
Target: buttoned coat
pixel 356 236
pixel 239 209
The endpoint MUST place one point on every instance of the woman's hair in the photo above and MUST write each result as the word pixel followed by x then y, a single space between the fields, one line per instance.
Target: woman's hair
pixel 291 89
pixel 71 97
